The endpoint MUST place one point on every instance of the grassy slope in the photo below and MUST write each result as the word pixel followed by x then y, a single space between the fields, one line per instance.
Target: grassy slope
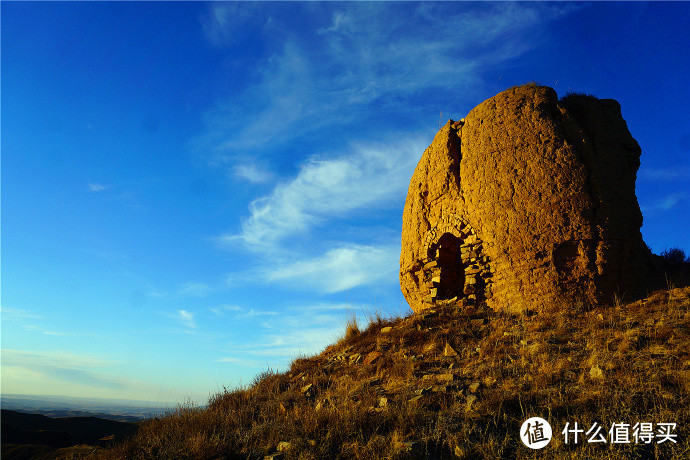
pixel 393 393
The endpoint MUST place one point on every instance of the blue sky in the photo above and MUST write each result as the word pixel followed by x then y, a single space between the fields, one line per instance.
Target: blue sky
pixel 193 192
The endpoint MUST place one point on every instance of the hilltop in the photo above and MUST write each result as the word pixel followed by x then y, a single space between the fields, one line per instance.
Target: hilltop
pixel 521 232
pixel 454 382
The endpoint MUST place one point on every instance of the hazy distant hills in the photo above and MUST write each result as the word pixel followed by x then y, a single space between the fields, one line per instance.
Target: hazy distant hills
pixel 42 426
pixel 120 410
pixel 34 436
pixel 21 428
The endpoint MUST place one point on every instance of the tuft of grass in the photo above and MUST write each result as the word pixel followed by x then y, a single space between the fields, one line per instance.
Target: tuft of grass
pixel 394 391
pixel 351 327
pixel 531 84
pixel 676 259
pixel 578 95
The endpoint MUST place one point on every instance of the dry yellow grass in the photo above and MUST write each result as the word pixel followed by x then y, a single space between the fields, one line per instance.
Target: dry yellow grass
pixel 454 384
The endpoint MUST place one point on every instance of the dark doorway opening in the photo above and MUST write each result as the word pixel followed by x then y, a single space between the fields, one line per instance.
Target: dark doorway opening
pixel 450 278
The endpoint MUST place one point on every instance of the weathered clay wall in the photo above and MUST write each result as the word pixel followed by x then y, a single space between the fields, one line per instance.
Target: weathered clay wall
pixel 528 202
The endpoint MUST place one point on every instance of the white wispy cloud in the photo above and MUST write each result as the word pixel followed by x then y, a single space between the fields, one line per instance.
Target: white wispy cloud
pixel 186 318
pixel 664 204
pixel 289 345
pixel 44 331
pixel 251 313
pixel 252 173
pixel 78 369
pixel 224 309
pixel 75 374
pixel 238 312
pixel 340 269
pixel 370 176
pixel 385 57
pixel 367 53
pixel 18 313
pixel 339 22
pixel 194 289
pixel 240 361
pixel 96 187
pixel 666 174
pixel 300 330
pixel 223 21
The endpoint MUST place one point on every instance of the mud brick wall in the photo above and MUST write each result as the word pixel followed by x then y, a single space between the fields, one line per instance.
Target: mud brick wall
pixel 527 203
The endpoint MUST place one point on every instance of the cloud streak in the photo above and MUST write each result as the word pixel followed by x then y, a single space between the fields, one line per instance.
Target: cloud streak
pixel 366 54
pixel 370 176
pixel 70 368
pixel 665 204
pixel 252 173
pixel 194 290
pixel 18 313
pixel 394 61
pixel 300 330
pixel 675 174
pixel 186 318
pixel 32 328
pixel 224 309
pixel 340 269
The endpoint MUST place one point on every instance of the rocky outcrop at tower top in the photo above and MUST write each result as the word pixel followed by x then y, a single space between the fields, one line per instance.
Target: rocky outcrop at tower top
pixel 526 203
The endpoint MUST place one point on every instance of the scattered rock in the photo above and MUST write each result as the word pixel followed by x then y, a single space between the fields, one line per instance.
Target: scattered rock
pixel 445 377
pixel 307 388
pixel 275 456
pixel 448 351
pixel 409 446
pixel 595 373
pixel 322 404
pixel 468 403
pixel 283 446
pixel 371 357
pixel 461 452
pixel 429 347
pixel 424 390
pixel 477 322
pixel 339 357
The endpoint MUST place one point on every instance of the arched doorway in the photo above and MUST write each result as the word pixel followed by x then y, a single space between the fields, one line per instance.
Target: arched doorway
pixel 449 279
pixel 455 266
